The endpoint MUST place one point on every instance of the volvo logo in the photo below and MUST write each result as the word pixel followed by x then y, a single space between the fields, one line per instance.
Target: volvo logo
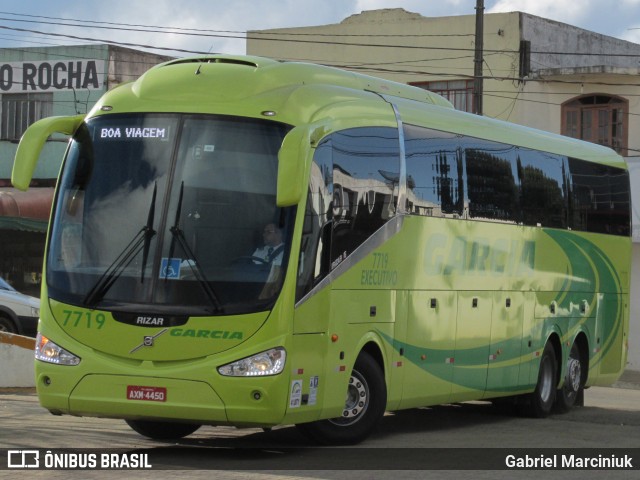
pixel 149 340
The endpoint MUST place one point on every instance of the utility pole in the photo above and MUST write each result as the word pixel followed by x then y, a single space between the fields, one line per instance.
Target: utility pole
pixel 478 60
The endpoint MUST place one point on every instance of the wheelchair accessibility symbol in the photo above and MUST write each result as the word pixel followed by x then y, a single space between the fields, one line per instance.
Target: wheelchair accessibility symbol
pixel 170 268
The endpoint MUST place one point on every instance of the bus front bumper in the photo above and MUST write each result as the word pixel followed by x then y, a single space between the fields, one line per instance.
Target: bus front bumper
pixel 162 399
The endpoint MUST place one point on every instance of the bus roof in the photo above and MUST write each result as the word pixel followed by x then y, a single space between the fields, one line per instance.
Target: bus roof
pixel 213 82
pixel 302 93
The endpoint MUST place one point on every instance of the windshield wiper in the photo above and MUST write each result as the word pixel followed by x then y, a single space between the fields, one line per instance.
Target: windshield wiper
pixel 178 235
pixel 149 232
pixel 141 241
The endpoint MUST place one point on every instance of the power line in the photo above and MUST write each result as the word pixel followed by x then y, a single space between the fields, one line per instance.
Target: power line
pixel 118 26
pixel 126 44
pixel 387 70
pixel 361 67
pixel 486 77
pixel 215 33
pixel 249 35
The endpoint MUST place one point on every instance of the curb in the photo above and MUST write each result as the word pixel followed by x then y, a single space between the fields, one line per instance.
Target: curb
pixel 630 379
pixel 18 340
pixel 16 358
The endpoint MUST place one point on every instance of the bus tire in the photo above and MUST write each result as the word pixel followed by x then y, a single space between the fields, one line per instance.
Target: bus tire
pixel 574 380
pixel 539 403
pixel 162 430
pixel 364 406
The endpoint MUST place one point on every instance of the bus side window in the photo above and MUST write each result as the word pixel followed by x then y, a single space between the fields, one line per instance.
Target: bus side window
pixel 543 185
pixel 599 198
pixel 313 263
pixel 366 175
pixel 435 182
pixel 493 191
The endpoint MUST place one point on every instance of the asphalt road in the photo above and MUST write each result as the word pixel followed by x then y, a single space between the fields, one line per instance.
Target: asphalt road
pixel 440 442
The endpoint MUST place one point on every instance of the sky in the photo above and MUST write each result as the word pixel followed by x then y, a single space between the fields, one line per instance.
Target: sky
pixel 221 23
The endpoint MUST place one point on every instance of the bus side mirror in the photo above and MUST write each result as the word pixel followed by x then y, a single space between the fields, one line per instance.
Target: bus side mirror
pixel 33 141
pixel 291 162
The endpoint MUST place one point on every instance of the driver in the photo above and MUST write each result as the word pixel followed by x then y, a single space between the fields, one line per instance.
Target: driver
pixel 271 251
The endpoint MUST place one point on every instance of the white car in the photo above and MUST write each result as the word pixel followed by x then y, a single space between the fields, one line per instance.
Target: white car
pixel 19 313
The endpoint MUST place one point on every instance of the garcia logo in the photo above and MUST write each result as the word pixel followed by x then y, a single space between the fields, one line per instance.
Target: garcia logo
pixel 446 255
pixel 216 334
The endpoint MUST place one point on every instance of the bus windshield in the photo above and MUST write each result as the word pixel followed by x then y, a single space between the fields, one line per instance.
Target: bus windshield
pixel 170 213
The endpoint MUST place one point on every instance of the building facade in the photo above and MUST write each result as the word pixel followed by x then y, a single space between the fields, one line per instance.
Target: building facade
pixel 37 83
pixel 536 72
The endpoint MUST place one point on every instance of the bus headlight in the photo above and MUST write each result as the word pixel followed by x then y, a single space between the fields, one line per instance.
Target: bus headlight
pixel 266 363
pixel 47 351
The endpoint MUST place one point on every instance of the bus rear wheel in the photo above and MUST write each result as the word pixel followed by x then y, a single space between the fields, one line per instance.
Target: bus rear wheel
pixel 162 430
pixel 365 404
pixel 540 402
pixel 574 380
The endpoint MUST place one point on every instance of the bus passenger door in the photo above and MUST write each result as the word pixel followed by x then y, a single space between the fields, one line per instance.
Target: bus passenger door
pixel 473 336
pixel 506 343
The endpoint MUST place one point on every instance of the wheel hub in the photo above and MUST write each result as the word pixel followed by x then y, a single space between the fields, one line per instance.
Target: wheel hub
pixel 356 402
pixel 574 373
pixel 356 398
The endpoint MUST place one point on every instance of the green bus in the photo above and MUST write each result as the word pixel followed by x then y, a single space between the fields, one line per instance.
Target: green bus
pixel 422 255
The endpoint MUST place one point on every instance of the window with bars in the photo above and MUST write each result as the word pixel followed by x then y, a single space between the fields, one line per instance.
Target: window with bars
pixel 21 110
pixel 601 119
pixel 458 92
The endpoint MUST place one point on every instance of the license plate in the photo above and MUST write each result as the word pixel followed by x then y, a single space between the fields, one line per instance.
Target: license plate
pixel 151 394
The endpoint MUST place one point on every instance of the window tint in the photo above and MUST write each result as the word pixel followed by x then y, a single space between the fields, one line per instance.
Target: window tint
pixel 316 231
pixel 366 173
pixel 353 191
pixel 435 182
pixel 600 198
pixel 492 189
pixel 543 188
pixel 505 183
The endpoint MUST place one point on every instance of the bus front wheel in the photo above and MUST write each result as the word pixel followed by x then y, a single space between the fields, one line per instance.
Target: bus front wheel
pixel 162 430
pixel 365 404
